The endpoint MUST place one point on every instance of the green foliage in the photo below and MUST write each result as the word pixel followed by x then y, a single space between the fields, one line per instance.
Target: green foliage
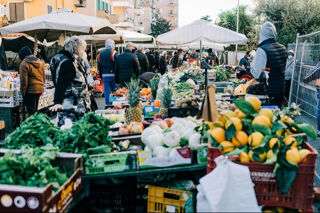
pixel 290 17
pixel 228 19
pixel 160 26
pixel 206 18
pixel 32 167
pixel 166 98
pixel 134 88
pixel 89 132
pixel 36 130
pixel 153 84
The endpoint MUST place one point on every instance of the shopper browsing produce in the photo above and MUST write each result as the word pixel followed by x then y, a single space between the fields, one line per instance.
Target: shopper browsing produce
pixel 143 60
pixel 288 73
pixel 71 87
pixel 270 62
pixel 32 78
pixel 106 67
pixel 127 65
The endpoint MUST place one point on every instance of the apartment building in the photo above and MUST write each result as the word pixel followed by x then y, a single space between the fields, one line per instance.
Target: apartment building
pixel 17 10
pixel 169 9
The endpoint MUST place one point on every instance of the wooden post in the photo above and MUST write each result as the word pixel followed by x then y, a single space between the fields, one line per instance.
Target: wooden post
pixel 35 45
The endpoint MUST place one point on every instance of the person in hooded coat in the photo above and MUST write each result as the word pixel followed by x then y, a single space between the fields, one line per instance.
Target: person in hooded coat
pixel 269 63
pixel 106 67
pixel 32 79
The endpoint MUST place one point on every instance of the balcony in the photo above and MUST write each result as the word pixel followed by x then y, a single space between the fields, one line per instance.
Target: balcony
pixel 125 4
pixel 172 3
pixel 125 25
pixel 172 14
pixel 80 3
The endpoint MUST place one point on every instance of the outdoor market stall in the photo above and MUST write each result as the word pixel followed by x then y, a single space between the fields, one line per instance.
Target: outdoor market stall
pixel 147 151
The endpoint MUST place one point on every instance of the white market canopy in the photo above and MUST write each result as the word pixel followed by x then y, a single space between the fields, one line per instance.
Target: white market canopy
pixel 201 30
pixel 61 21
pixel 121 37
pixel 205 44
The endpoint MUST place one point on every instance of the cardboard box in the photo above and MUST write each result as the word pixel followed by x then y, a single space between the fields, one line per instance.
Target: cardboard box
pixel 111 162
pixel 14 198
pixel 145 159
pixel 150 111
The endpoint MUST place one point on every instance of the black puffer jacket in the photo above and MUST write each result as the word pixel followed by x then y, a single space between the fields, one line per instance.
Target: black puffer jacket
pixel 127 66
pixel 143 61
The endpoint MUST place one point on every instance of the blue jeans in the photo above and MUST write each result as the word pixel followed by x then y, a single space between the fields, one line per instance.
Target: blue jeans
pixel 109 86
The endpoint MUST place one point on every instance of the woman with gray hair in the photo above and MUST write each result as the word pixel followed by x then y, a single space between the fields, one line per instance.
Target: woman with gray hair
pixel 72 90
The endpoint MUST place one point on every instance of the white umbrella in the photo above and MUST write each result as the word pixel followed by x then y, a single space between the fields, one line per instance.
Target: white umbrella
pixel 121 36
pixel 203 31
pixel 61 21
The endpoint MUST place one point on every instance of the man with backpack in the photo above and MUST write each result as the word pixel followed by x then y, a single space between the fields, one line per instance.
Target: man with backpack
pixel 106 67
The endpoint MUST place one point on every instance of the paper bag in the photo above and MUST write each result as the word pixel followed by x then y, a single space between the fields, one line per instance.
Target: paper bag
pixel 209 111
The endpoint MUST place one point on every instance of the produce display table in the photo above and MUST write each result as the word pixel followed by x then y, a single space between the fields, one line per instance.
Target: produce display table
pixel 190 168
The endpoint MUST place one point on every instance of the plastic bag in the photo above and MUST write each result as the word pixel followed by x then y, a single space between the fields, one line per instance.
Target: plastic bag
pixel 163 83
pixel 228 188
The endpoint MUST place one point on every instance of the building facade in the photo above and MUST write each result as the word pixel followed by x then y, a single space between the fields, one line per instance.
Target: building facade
pixel 169 10
pixel 18 10
pixel 97 8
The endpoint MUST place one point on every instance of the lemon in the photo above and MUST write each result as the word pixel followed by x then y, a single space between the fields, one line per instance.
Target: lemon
pixel 266 112
pixel 286 119
pixel 244 157
pixel 273 142
pixel 221 119
pixel 288 132
pixel 279 132
pixel 236 122
pixel 270 154
pixel 239 113
pixel 255 102
pixel 293 156
pixel 218 134
pixel 227 146
pixel 255 139
pixel 240 139
pixel 288 140
pixel 262 120
pixel 218 124
pixel 303 153
pixel 229 114
pixel 261 156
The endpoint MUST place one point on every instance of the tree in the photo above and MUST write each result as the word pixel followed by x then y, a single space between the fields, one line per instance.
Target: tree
pixel 206 18
pixel 290 17
pixel 160 26
pixel 228 19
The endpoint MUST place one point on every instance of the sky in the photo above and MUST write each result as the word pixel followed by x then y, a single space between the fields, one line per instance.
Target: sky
pixel 191 10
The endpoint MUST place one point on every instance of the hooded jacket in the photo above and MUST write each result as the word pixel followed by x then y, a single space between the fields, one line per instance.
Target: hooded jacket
pixel 32 76
pixel 271 55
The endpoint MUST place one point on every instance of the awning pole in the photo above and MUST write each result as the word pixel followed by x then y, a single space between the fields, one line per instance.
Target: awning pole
pixel 35 45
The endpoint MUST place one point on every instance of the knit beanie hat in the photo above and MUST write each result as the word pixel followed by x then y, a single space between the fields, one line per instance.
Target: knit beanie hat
pixel 24 52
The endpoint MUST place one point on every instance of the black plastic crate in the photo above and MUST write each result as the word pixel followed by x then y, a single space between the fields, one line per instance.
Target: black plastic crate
pixel 11 117
pixel 182 112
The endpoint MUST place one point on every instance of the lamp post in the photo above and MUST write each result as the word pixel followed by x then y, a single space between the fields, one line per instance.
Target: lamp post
pixel 237 30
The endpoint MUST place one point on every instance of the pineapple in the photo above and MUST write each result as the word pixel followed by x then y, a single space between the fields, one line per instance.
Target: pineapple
pixel 133 113
pixel 165 101
pixel 153 84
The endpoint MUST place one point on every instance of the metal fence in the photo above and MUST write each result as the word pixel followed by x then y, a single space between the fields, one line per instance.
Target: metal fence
pixel 307 55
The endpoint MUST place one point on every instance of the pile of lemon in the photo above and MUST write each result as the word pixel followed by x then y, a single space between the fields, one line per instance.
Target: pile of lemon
pixel 264 117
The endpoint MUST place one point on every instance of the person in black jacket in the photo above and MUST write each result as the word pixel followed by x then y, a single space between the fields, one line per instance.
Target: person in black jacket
pixel 163 63
pixel 150 59
pixel 177 61
pixel 157 61
pixel 212 59
pixel 127 65
pixel 143 60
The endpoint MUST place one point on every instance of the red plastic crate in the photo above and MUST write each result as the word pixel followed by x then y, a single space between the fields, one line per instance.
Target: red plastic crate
pixel 299 196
